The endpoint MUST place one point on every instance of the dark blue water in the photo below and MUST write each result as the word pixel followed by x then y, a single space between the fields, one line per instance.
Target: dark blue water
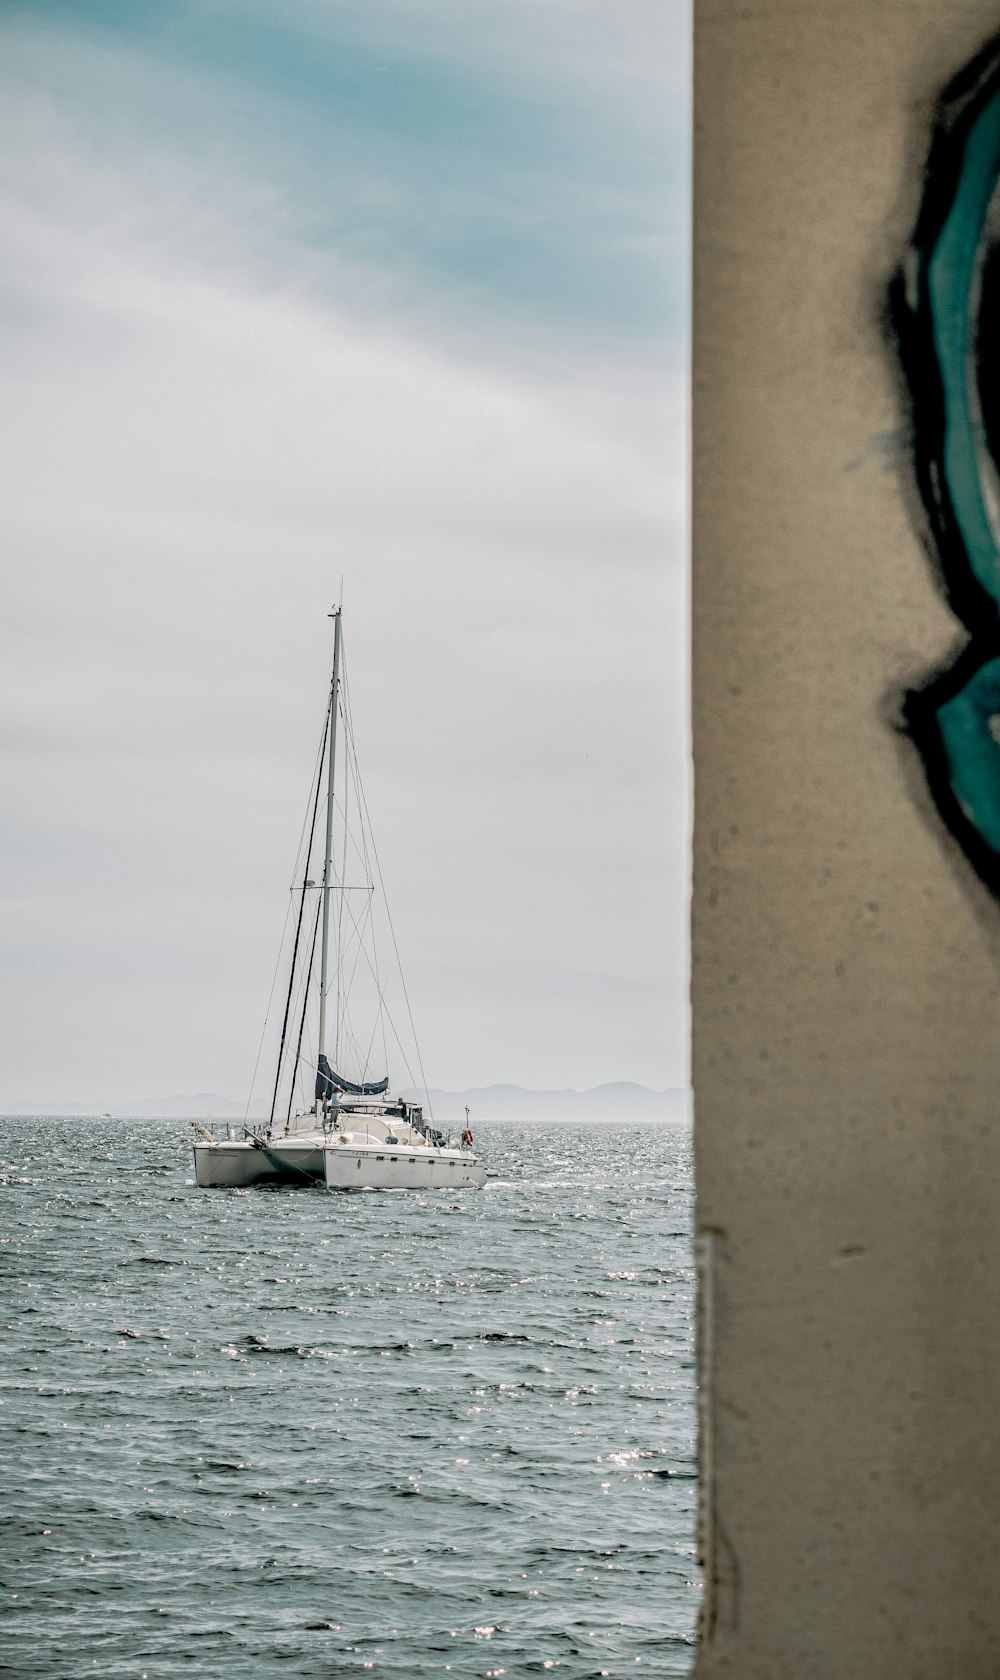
pixel 283 1432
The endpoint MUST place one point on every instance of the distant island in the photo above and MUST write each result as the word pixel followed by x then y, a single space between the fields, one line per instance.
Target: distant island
pixel 622 1100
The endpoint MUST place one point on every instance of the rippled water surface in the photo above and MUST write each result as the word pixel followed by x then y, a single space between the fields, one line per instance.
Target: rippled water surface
pixel 250 1433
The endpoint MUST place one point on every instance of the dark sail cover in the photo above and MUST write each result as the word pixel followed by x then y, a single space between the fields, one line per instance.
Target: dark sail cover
pixel 327 1082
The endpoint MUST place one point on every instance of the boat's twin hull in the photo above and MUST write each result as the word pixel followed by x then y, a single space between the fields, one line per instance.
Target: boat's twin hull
pixel 235 1165
pixel 220 1166
pixel 362 1168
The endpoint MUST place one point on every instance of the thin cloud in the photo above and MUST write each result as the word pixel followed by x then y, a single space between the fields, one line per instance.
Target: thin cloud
pixel 203 431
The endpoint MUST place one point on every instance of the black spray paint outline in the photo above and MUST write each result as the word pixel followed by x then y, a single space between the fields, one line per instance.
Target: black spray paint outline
pixel 912 326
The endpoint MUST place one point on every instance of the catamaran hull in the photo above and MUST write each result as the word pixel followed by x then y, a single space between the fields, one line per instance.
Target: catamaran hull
pixel 350 1168
pixel 235 1166
pixel 227 1166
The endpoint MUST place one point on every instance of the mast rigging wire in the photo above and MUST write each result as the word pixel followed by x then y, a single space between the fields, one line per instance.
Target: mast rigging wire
pixel 305 1005
pixel 358 927
pixel 302 906
pixel 385 899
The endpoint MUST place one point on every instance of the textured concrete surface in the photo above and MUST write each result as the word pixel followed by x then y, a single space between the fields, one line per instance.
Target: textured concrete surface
pixel 846 996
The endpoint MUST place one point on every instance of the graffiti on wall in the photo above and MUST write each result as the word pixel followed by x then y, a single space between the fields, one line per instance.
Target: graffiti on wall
pixel 945 305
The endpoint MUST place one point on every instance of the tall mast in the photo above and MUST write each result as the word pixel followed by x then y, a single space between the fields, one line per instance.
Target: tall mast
pixel 328 852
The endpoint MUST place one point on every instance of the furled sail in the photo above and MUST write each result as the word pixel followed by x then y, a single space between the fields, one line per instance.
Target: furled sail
pixel 327 1082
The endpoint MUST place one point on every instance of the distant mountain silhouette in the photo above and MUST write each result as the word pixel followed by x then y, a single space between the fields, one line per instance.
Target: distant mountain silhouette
pixel 622 1100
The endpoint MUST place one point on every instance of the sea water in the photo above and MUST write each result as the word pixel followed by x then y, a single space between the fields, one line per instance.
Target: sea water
pixel 252 1433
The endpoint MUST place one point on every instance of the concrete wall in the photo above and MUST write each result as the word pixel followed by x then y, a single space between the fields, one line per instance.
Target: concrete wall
pixel 846 996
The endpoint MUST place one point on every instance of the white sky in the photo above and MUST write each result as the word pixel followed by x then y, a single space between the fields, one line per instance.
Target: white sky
pixel 399 298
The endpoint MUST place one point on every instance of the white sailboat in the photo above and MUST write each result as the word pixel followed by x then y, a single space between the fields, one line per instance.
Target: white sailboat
pixel 352 1134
